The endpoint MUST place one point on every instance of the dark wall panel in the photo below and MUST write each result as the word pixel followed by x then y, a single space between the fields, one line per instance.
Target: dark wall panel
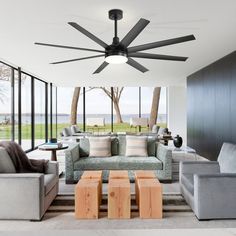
pixel 211 114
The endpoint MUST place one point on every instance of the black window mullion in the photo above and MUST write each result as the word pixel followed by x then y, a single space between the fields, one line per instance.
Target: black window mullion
pixel 32 114
pixel 112 115
pixel 56 110
pixel 139 109
pixel 51 112
pixel 46 112
pixel 12 104
pixel 19 105
pixel 84 111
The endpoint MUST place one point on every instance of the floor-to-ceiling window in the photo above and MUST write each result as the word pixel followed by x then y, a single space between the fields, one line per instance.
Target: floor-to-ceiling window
pixel 39 112
pixel 26 111
pixel 127 103
pixel 98 109
pixel 24 103
pixel 5 102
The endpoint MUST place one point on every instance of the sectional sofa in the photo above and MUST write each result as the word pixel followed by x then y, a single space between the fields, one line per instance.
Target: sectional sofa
pixel 159 159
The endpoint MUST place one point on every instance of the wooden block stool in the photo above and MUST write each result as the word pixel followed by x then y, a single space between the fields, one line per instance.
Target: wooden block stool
pixel 142 174
pixel 119 199
pixel 150 198
pixel 94 175
pixel 118 174
pixel 87 199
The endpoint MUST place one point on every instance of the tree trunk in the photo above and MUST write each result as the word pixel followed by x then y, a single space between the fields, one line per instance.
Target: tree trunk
pixel 117 110
pixel 74 104
pixel 155 106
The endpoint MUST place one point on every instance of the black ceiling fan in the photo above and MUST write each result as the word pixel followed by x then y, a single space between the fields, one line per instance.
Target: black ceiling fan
pixel 119 51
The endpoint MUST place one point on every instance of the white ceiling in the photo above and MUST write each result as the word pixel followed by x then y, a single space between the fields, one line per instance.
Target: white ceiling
pixel 27 21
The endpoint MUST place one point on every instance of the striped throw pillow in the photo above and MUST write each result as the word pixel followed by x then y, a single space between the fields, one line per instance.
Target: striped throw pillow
pixel 136 146
pixel 100 146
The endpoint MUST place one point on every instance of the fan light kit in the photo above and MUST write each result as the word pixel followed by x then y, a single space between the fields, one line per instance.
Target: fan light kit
pixel 119 51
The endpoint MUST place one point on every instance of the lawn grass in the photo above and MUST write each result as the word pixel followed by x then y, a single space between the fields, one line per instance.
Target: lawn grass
pixel 5 130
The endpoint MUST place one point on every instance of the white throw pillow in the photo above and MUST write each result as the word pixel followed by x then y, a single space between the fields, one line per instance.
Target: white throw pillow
pixel 99 146
pixel 136 146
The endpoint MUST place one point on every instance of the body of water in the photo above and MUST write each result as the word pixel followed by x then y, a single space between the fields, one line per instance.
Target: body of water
pixel 65 118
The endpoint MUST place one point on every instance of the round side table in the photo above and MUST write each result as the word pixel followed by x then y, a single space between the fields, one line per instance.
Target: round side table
pixel 53 151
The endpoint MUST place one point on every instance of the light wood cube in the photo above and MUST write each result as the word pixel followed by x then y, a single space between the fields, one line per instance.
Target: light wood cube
pixel 142 174
pixel 118 174
pixel 150 198
pixel 87 199
pixel 119 199
pixel 94 174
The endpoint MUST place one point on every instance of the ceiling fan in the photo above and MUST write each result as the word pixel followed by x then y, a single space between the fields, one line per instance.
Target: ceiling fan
pixel 119 51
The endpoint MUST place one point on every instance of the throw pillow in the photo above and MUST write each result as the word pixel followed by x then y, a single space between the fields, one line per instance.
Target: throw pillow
pixel 100 146
pixel 136 146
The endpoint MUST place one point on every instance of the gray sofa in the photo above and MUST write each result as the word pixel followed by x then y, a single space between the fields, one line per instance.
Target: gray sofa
pixel 25 196
pixel 77 160
pixel 209 187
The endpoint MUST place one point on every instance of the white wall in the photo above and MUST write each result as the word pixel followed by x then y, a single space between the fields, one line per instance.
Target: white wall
pixel 177 111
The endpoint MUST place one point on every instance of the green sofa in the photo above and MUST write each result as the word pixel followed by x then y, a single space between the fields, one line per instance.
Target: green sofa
pixel 77 157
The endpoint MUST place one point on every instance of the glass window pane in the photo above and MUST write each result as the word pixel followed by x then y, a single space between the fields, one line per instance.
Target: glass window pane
pixel 54 112
pixel 5 102
pixel 39 108
pixel 146 105
pixel 64 101
pixel 26 111
pixel 98 109
pixel 125 108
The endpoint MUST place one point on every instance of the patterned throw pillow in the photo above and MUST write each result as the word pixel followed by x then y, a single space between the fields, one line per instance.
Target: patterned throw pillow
pixel 100 146
pixel 136 146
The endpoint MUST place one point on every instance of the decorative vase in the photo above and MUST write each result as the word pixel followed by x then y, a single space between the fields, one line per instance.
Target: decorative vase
pixel 178 141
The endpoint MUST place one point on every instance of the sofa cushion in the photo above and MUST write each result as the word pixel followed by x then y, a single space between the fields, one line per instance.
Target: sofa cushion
pixel 6 164
pixel 140 163
pixel 122 144
pixel 99 146
pixel 136 146
pixel 151 146
pixel 114 146
pixel 118 163
pixel 84 147
pixel 97 163
pixel 227 158
pixel 188 182
pixel 50 180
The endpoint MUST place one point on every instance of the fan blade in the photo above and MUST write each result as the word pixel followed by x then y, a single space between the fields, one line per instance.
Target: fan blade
pixel 134 32
pixel 88 34
pixel 157 56
pixel 78 59
pixel 161 43
pixel 101 67
pixel 69 47
pixel 136 65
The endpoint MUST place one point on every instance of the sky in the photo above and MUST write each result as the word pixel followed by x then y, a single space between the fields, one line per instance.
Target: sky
pixel 97 102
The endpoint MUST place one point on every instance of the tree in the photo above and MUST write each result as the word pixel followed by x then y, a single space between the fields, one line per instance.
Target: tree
pixel 74 104
pixel 117 91
pixel 154 107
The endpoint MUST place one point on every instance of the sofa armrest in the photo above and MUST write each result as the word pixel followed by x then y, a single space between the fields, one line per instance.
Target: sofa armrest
pixel 53 168
pixel 199 167
pixel 72 155
pixel 214 196
pixel 22 196
pixel 164 154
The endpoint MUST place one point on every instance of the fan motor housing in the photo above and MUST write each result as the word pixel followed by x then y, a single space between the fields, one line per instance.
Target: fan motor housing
pixel 115 14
